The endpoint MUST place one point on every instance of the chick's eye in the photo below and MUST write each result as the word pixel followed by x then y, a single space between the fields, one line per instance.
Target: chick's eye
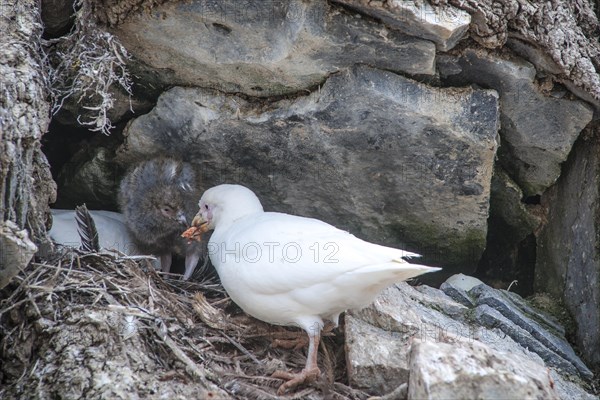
pixel 206 206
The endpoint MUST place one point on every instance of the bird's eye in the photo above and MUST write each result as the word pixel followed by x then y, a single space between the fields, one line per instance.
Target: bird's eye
pixel 206 206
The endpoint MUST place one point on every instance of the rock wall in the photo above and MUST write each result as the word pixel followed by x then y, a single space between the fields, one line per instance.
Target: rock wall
pixel 375 153
pixel 437 126
pixel 568 263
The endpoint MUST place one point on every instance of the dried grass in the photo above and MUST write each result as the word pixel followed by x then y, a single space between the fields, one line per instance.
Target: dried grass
pixel 87 65
pixel 191 325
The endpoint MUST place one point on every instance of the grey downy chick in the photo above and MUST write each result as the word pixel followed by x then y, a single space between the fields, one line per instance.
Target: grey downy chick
pixel 158 198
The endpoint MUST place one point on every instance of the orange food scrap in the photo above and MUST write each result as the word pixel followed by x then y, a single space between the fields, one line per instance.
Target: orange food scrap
pixel 195 232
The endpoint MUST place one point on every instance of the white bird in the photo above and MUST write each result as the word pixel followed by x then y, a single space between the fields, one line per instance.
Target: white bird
pixel 290 270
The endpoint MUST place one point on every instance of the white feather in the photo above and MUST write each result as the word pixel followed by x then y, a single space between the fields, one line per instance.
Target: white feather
pixel 112 232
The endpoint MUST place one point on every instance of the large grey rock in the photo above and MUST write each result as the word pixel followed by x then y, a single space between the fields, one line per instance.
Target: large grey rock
pixel 530 328
pixel 472 370
pixel 391 160
pixel 391 313
pixel 432 307
pixel 537 131
pixel 568 263
pixel 457 294
pixel 264 48
pixel 407 311
pixel 443 25
pixel 379 365
pixel 419 314
pixel 379 338
pixel 487 316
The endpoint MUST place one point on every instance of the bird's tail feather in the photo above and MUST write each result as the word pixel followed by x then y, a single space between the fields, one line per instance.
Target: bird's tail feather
pixel 393 271
pixel 408 254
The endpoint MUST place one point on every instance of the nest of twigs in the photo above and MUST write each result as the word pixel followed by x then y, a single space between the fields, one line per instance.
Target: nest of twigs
pixel 89 325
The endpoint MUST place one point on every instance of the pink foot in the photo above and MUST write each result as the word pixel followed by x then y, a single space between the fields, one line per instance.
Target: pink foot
pixel 293 380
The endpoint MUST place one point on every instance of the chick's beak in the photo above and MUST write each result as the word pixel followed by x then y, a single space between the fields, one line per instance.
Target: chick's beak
pixel 199 226
pixel 181 218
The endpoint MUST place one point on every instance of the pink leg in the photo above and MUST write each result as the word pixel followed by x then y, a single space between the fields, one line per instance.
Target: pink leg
pixel 310 372
pixel 292 340
pixel 191 259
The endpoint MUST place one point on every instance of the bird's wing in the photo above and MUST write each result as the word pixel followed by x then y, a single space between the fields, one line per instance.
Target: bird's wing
pixel 112 232
pixel 276 253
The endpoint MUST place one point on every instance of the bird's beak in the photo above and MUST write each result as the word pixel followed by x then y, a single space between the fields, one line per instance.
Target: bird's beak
pixel 198 220
pixel 181 218
pixel 201 223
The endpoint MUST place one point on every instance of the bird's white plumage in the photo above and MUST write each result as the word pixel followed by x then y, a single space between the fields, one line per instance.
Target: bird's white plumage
pixel 112 232
pixel 291 270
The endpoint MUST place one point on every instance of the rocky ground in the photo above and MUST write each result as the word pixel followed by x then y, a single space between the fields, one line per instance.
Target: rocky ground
pixel 88 325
